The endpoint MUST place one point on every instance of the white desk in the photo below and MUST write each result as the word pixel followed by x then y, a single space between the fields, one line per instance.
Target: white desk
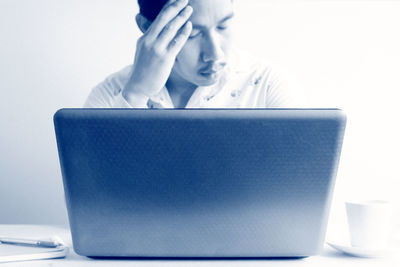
pixel 329 256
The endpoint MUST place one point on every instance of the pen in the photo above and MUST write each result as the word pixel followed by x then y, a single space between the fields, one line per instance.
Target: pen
pixel 29 242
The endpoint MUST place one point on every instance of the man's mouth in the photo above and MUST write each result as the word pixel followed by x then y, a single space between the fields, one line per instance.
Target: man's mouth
pixel 212 70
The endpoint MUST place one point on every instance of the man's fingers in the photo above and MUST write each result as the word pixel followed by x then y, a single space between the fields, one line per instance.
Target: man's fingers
pixel 171 29
pixel 180 39
pixel 167 4
pixel 170 11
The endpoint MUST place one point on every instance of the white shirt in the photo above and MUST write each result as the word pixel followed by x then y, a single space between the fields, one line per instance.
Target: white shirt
pixel 244 84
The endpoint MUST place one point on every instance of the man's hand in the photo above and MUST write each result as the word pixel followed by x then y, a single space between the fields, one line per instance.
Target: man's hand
pixel 157 49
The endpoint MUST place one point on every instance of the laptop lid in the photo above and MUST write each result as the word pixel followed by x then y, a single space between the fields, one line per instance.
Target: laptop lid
pixel 199 183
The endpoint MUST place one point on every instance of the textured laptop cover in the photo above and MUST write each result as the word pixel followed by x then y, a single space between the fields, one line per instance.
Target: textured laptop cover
pixel 198 183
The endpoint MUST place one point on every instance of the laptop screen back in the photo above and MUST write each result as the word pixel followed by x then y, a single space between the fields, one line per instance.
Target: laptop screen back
pixel 198 183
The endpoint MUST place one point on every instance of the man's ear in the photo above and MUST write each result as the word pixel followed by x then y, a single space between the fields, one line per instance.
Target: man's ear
pixel 142 22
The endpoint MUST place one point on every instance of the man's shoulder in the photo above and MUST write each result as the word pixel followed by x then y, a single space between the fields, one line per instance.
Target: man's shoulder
pixel 270 80
pixel 245 65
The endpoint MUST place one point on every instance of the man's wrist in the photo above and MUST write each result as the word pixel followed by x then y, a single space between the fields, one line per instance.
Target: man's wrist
pixel 135 98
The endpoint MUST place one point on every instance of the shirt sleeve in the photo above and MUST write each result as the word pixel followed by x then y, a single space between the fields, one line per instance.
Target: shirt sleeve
pixel 108 94
pixel 100 97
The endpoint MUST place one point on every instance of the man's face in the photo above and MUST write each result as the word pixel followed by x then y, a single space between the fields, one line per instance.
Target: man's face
pixel 206 52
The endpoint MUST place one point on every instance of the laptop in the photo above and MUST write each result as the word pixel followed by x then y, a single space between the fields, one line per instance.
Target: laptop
pixel 199 182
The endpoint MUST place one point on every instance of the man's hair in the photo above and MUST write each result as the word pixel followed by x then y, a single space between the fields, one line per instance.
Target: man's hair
pixel 150 8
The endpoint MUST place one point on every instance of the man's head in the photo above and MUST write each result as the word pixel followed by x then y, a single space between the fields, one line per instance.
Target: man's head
pixel 150 8
pixel 206 52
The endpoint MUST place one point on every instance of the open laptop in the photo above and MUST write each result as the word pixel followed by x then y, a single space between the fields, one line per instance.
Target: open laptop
pixel 199 182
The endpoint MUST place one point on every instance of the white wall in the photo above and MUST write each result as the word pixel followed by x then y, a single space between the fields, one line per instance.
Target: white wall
pixel 52 52
pixel 344 53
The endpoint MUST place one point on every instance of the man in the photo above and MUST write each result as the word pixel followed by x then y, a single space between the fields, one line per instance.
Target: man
pixel 186 59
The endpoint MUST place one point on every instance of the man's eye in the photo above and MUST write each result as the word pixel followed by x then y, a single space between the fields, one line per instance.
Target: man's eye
pixel 194 34
pixel 223 27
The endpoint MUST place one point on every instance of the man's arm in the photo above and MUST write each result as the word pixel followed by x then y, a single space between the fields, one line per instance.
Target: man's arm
pixel 156 51
pixel 155 56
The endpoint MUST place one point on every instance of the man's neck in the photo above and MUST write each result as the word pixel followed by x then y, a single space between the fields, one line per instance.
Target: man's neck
pixel 179 90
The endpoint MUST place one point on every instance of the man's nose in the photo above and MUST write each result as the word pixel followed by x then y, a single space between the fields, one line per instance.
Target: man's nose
pixel 212 50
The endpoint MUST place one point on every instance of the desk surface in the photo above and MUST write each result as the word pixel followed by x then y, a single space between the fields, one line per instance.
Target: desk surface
pixel 329 257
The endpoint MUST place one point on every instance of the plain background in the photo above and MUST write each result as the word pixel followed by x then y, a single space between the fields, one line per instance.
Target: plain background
pixel 343 54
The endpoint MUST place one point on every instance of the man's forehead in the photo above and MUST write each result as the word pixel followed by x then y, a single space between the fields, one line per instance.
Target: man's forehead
pixel 210 12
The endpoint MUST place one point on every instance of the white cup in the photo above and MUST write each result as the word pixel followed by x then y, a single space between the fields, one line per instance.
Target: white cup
pixel 369 223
